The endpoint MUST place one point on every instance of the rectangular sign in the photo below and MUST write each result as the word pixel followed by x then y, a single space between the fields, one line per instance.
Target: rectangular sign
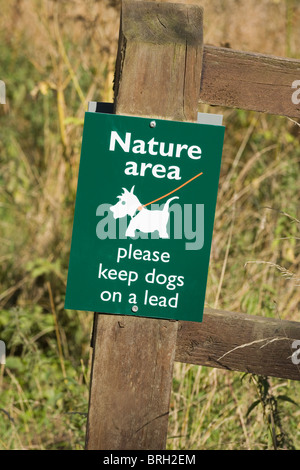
pixel 144 217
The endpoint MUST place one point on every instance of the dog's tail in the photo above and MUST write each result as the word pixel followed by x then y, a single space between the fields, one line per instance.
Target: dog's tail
pixel 167 204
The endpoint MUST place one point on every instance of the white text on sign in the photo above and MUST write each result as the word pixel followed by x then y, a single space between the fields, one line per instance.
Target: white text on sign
pixel 153 148
pixel 153 278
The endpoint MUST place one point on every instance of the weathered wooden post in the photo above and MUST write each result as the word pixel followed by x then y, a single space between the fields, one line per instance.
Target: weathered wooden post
pixel 158 75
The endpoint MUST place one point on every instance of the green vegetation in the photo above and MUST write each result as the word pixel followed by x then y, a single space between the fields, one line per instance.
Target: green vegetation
pixel 54 58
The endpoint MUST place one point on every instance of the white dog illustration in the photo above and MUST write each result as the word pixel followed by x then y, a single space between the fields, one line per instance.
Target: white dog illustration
pixel 141 218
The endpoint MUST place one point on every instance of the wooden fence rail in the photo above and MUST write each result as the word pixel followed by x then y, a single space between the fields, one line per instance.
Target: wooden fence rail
pixel 240 342
pixel 249 81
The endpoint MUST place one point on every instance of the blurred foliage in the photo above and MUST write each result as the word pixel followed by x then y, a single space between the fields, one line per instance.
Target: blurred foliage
pixel 54 58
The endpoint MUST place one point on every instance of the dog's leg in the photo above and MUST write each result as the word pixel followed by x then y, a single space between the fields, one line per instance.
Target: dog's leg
pixel 130 232
pixel 163 233
pixel 162 229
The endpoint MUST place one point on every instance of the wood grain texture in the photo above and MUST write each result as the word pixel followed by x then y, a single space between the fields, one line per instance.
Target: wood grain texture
pixel 228 78
pixel 249 81
pixel 133 357
pixel 130 384
pixel 240 342
pixel 160 60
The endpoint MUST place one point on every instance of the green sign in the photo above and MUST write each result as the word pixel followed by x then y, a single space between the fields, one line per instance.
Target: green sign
pixel 144 217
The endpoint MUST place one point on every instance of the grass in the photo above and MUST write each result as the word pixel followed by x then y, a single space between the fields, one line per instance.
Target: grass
pixel 55 57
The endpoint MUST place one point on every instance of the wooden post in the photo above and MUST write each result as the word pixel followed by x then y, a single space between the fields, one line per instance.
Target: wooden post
pixel 158 75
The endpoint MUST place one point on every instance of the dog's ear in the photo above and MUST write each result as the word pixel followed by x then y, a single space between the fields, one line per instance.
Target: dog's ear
pixel 132 189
